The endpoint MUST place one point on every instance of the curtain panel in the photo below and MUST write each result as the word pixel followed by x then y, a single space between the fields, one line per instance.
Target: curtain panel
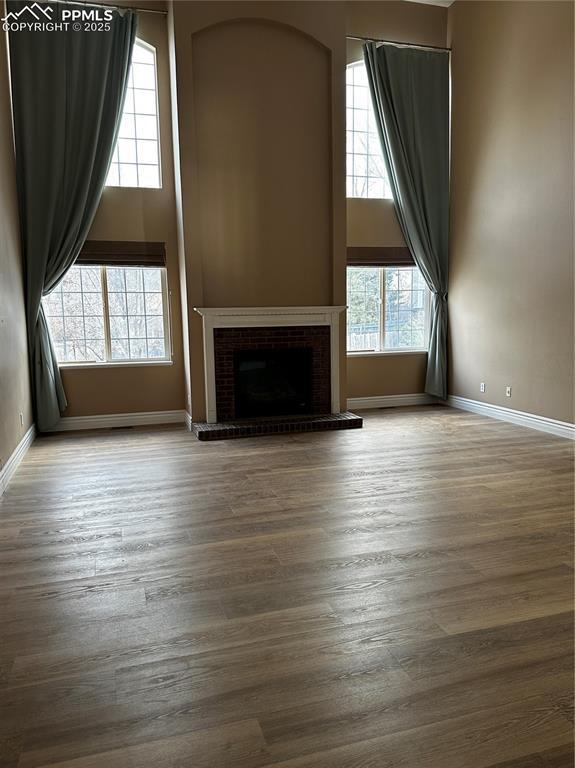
pixel 68 90
pixel 410 95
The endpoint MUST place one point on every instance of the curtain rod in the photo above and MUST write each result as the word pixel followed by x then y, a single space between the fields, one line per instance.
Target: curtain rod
pixel 110 6
pixel 398 42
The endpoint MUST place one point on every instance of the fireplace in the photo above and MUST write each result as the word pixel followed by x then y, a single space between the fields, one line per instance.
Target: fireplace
pixel 271 370
pixel 287 368
pixel 272 382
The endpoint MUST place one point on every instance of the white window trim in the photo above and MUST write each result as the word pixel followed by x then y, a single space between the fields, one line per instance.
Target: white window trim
pixel 383 351
pixel 387 352
pixel 123 363
pixel 117 364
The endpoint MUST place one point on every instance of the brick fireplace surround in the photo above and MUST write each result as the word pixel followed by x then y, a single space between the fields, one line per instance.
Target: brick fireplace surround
pixel 227 341
pixel 230 330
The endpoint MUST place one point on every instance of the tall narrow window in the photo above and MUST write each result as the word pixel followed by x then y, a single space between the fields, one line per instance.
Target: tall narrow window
pixel 366 172
pixel 136 158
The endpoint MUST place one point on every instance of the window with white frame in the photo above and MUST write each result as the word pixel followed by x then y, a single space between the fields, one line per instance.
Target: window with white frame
pixel 366 172
pixel 136 158
pixel 388 309
pixel 109 314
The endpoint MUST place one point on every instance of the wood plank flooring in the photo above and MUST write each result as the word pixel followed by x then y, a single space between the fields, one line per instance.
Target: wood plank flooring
pixel 396 597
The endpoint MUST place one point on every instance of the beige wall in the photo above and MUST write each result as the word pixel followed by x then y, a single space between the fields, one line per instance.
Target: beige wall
pixel 373 222
pixel 511 263
pixel 139 214
pixel 14 379
pixel 261 124
pixel 386 374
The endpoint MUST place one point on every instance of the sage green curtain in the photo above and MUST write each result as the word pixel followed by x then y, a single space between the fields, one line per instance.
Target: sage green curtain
pixel 410 94
pixel 68 90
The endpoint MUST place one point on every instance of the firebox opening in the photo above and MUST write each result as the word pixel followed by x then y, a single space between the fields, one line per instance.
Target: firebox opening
pixel 272 382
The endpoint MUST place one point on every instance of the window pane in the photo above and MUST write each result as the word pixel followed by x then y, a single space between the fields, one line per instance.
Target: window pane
pixel 152 280
pixel 364 308
pixel 138 349
pixel 155 327
pixel 135 304
pixel 73 304
pixel 127 127
pixel 94 327
pixel 120 349
pixel 144 76
pixel 142 54
pixel 154 303
pixel 93 304
pixel 127 150
pixel 146 127
pixel 149 176
pixel 137 314
pixel 91 280
pixel 147 152
pixel 117 304
pixel 116 279
pixel 136 163
pixel 128 175
pixel 137 327
pixel 405 307
pixel 75 316
pixel 156 348
pixel 368 175
pixel 118 327
pixel 134 279
pixel 144 102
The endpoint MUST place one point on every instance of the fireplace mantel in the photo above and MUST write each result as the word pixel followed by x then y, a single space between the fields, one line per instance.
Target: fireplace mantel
pixel 265 317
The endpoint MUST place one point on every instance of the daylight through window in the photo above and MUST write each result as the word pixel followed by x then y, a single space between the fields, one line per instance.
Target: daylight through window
pixel 109 314
pixel 366 173
pixel 136 158
pixel 388 308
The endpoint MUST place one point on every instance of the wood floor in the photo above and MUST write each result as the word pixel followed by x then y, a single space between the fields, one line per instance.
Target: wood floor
pixel 395 597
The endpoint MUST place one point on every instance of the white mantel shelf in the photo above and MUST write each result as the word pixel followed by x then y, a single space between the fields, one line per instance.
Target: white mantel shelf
pixel 267 311
pixel 244 317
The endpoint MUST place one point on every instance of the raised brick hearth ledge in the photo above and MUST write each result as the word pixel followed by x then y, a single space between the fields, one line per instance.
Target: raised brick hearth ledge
pixel 276 426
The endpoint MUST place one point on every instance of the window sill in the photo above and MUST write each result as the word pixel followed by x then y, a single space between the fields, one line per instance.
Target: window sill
pixel 122 186
pixel 119 364
pixel 368 197
pixel 386 352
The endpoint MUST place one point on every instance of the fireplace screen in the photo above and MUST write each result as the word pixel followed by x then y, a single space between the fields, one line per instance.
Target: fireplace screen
pixel 272 382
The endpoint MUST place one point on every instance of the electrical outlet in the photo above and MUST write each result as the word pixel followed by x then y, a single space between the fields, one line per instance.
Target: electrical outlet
pixel 508 391
pixel 21 419
pixel 482 387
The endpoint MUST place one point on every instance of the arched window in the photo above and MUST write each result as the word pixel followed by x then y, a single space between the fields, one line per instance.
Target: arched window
pixel 136 159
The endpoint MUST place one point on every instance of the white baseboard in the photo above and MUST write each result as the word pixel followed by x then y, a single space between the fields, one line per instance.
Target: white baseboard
pixel 388 401
pixel 521 418
pixel 111 420
pixel 15 458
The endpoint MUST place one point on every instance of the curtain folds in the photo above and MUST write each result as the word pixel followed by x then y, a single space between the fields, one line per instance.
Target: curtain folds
pixel 68 90
pixel 410 94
